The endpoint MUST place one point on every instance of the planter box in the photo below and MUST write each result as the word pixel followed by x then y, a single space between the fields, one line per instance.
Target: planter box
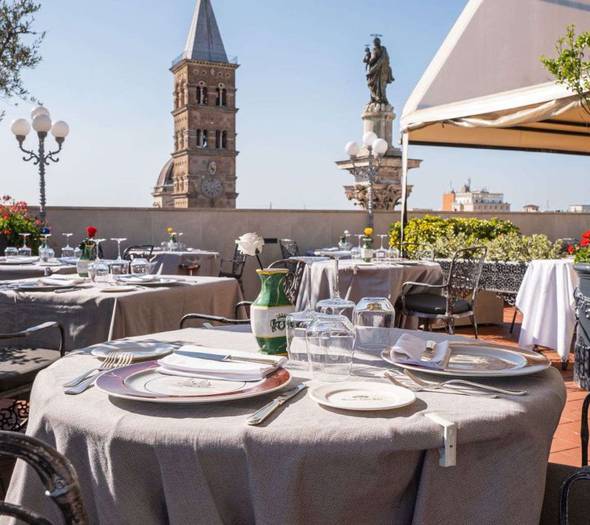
pixel 582 348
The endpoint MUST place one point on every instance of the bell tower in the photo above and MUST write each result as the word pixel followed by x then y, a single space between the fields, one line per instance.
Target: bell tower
pixel 202 171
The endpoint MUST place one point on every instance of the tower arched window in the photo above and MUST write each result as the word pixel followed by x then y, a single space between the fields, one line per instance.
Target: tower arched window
pixel 202 139
pixel 223 139
pixel 202 98
pixel 220 139
pixel 221 96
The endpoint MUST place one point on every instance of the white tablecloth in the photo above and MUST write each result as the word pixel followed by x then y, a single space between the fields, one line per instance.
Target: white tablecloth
pixel 546 300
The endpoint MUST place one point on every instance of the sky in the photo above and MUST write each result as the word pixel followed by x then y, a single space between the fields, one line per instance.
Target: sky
pixel 301 89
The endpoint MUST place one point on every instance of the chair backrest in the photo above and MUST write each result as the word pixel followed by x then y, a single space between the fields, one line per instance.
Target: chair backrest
pixel 236 265
pixel 293 279
pixel 289 248
pixel 418 251
pixel 465 272
pixel 57 475
pixel 143 251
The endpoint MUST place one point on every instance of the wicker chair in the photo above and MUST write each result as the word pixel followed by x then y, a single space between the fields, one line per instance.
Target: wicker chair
pixel 289 248
pixel 56 473
pixel 141 251
pixel 451 300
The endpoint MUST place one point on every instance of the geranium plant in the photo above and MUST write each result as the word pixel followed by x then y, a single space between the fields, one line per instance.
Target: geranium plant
pixel 15 219
pixel 581 251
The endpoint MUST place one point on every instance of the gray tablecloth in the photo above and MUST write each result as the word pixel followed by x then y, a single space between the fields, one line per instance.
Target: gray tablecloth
pixel 209 262
pixel 24 271
pixel 148 464
pixel 358 280
pixel 92 316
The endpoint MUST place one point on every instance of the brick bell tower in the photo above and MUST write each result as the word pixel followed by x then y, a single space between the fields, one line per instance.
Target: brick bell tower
pixel 202 170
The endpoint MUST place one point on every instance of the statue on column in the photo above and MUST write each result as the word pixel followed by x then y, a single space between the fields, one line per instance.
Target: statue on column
pixel 379 73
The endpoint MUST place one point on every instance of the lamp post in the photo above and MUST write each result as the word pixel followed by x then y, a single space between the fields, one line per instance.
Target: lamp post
pixel 41 123
pixel 376 148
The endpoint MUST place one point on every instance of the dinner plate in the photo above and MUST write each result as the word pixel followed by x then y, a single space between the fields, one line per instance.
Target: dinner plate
pixel 14 261
pixel 142 382
pixel 138 349
pixel 362 396
pixel 158 281
pixel 39 287
pixel 481 360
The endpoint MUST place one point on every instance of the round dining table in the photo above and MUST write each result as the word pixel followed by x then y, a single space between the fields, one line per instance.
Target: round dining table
pixel 147 463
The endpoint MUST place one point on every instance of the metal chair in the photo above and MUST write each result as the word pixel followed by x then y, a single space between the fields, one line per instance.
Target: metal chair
pixel 140 251
pixel 293 279
pixel 289 248
pixel 234 267
pixel 456 297
pixel 208 318
pixel 57 474
pixel 418 251
pixel 191 268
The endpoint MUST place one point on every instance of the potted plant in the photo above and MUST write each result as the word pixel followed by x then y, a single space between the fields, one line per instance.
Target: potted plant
pixel 14 220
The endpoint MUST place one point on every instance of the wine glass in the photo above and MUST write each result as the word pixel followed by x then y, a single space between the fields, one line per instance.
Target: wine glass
pixel 99 269
pixel 10 252
pixel 140 266
pixel 67 250
pixel 119 240
pixel 335 304
pixel 330 347
pixel 355 252
pixel 46 253
pixel 179 244
pixel 382 252
pixel 24 250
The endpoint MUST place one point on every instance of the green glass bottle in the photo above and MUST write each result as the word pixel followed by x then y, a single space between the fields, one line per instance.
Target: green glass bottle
pixel 269 311
pixel 86 257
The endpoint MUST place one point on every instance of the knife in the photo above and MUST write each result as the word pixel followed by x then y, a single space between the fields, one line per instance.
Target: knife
pixel 261 414
pixel 229 358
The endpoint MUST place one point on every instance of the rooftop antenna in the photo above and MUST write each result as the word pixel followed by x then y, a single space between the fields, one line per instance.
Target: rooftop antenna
pixel 376 35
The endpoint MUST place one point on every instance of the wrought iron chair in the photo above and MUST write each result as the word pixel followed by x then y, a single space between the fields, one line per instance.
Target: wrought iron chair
pixel 292 283
pixel 57 474
pixel 289 248
pixel 418 251
pixel 190 268
pixel 208 318
pixel 456 297
pixel 143 251
pixel 234 267
pixel 19 364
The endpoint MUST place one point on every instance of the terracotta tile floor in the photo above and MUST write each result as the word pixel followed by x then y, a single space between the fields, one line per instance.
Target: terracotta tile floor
pixel 566 441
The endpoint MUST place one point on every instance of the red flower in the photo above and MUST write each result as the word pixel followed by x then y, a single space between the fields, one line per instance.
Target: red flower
pixel 571 249
pixel 585 241
pixel 586 235
pixel 91 231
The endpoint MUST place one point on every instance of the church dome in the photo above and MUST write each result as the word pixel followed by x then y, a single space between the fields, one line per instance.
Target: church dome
pixel 166 174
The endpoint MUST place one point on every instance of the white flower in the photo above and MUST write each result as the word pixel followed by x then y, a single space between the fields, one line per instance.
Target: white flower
pixel 250 244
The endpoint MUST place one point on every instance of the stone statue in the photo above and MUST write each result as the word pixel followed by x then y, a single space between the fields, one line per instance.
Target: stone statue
pixel 379 72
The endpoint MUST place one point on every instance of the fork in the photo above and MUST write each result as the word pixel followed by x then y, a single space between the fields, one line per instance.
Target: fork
pixel 463 383
pixel 124 359
pixel 391 375
pixel 107 364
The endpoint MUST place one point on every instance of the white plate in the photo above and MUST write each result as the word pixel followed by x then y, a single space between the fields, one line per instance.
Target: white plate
pixel 119 289
pixel 481 360
pixel 138 349
pixel 155 281
pixel 13 261
pixel 362 396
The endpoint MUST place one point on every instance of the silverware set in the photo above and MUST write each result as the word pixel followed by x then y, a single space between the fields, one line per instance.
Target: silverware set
pixel 263 413
pixel 85 381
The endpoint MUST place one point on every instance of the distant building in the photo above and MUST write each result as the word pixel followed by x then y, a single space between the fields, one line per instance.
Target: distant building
pixel 531 208
pixel 579 208
pixel 467 199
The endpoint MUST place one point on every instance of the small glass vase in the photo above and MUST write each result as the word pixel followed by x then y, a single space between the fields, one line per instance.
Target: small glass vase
pixel 86 257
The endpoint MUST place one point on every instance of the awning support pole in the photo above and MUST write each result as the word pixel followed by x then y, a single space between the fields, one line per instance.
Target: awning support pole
pixel 404 184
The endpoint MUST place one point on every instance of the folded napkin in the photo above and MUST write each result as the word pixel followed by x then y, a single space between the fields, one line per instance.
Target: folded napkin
pixel 410 350
pixel 146 278
pixel 61 281
pixel 182 363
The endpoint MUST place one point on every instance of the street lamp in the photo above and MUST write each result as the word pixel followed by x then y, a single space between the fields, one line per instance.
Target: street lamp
pixel 41 123
pixel 376 148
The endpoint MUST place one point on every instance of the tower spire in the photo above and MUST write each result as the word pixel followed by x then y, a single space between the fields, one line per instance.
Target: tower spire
pixel 204 39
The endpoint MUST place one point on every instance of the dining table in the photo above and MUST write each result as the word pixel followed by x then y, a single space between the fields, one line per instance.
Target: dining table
pixel 9 271
pixel 180 262
pixel 357 279
pixel 146 463
pixel 546 301
pixel 94 312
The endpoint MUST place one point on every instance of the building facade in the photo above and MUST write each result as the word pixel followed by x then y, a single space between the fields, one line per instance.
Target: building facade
pixel 202 170
pixel 579 208
pixel 467 199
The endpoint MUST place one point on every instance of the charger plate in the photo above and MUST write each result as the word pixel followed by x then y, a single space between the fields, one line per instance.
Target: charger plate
pixel 142 382
pixel 480 360
pixel 362 396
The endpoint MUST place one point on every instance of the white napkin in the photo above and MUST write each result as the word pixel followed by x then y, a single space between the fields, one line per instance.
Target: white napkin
pixel 61 281
pixel 183 364
pixel 410 349
pixel 146 278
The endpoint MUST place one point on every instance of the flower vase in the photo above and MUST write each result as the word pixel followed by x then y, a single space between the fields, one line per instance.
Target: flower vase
pixel 88 255
pixel 367 249
pixel 582 346
pixel 269 311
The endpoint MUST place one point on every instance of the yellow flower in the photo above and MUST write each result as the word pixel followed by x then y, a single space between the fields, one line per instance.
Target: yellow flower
pixel 368 232
pixel 169 230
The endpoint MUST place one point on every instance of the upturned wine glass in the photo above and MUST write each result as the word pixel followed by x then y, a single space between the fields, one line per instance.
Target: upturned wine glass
pixel 46 253
pixel 67 250
pixel 335 304
pixel 24 250
pixel 119 240
pixel 355 252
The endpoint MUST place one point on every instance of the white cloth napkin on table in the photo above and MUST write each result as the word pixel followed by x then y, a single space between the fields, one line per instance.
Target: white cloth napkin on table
pixel 182 363
pixel 61 281
pixel 410 350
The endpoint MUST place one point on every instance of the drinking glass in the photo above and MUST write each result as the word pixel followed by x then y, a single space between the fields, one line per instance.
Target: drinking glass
pixel 330 347
pixel 297 324
pixel 179 244
pixel 355 252
pixel 335 304
pixel 67 250
pixel 24 250
pixel 10 252
pixel 374 312
pixel 140 266
pixel 119 268
pixel 382 253
pixel 119 240
pixel 46 253
pixel 99 269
